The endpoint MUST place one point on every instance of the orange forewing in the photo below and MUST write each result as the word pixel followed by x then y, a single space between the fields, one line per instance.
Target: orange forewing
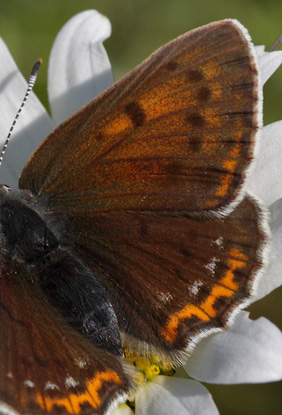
pixel 175 134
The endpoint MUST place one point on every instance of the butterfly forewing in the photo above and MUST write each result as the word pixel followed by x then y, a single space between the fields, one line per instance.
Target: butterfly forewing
pixel 175 134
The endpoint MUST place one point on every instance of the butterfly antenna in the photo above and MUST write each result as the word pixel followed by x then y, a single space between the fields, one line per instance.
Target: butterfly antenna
pixel 276 44
pixel 31 82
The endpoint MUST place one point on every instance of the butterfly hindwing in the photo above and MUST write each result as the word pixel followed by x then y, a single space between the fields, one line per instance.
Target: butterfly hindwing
pixel 170 279
pixel 47 367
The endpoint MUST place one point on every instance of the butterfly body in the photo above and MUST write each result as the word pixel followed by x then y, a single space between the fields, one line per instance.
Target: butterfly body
pixel 42 265
pixel 132 228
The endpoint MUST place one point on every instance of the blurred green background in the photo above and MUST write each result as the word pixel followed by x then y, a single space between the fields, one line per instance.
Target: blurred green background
pixel 29 28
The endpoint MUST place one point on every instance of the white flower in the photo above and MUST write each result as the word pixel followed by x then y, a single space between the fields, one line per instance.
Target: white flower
pixel 250 351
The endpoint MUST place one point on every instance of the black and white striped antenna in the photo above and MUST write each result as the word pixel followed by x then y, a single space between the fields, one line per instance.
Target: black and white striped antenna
pixel 31 82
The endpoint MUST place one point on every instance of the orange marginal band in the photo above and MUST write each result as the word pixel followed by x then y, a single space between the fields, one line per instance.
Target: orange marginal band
pixel 205 311
pixel 91 395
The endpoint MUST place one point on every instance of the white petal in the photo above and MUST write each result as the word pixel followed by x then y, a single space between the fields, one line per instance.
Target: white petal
pixel 7 409
pixel 265 179
pixel 249 352
pixel 123 409
pixel 171 395
pixel 79 67
pixel 260 50
pixel 269 62
pixel 272 277
pixel 33 125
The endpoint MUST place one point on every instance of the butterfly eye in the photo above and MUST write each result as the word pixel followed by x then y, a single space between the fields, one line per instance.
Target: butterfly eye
pixel 4 191
pixel 5 188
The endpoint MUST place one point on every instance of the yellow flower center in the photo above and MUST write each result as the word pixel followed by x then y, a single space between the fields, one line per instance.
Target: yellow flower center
pixel 147 369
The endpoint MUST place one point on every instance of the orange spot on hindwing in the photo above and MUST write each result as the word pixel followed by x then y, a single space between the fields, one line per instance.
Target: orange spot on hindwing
pixel 91 395
pixel 226 287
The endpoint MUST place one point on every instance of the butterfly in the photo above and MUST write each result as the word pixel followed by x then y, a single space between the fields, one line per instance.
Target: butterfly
pixel 131 228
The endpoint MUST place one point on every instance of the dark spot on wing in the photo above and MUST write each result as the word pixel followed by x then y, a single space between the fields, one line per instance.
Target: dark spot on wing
pixel 135 113
pixel 195 119
pixel 204 94
pixel 195 75
pixel 195 144
pixel 172 66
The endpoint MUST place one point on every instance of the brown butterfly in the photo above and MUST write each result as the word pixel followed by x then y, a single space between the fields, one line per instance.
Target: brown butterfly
pixel 132 228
